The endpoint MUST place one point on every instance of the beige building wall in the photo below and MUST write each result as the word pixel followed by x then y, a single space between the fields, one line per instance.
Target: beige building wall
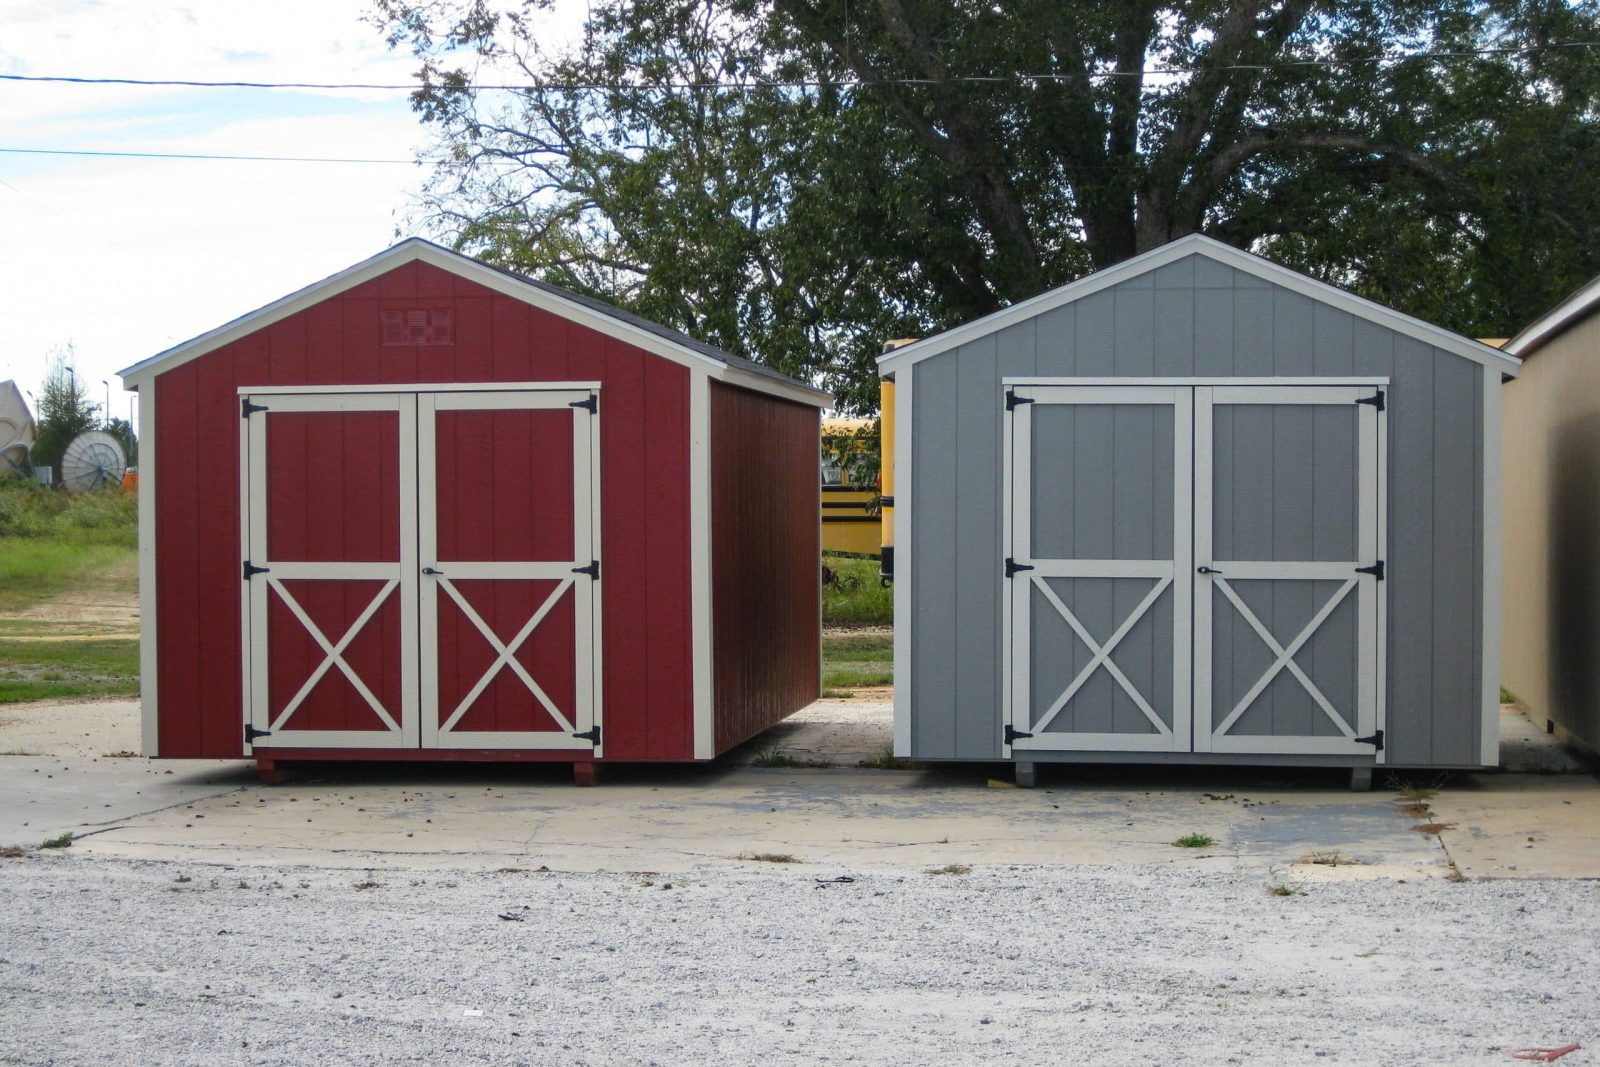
pixel 1550 644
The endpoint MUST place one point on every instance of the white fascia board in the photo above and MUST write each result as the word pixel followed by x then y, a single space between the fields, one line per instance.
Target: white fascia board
pixel 1582 303
pixel 1199 244
pixel 415 248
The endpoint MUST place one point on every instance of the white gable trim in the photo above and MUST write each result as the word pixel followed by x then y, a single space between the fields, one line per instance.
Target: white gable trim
pixel 413 249
pixel 1199 244
pixel 1583 302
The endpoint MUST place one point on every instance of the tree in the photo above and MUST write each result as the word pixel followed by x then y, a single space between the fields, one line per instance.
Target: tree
pixel 64 412
pixel 800 180
pixel 122 430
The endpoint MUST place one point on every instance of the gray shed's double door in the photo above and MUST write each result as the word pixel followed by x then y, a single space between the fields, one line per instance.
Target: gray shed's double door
pixel 1195 568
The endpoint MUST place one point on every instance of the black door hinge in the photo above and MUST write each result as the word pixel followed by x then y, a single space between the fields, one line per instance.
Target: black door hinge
pixel 1012 400
pixel 592 570
pixel 1374 739
pixel 251 733
pixel 1376 400
pixel 590 403
pixel 1375 570
pixel 1013 568
pixel 246 409
pixel 250 569
pixel 1012 734
pixel 886 501
pixel 591 735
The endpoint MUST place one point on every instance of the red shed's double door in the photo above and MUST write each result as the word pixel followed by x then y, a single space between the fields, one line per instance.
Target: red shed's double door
pixel 421 569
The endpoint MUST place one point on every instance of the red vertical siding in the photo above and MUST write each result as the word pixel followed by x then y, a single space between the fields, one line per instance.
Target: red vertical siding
pixel 766 546
pixel 644 470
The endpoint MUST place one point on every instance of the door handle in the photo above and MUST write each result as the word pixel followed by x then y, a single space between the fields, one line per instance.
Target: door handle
pixel 1206 570
pixel 430 570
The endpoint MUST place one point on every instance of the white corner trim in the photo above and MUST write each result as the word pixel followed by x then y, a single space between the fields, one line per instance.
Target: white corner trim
pixel 1199 244
pixel 1580 304
pixel 415 249
pixel 904 413
pixel 149 676
pixel 700 564
pixel 1489 744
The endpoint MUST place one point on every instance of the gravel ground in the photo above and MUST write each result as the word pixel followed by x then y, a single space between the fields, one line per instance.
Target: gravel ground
pixel 120 962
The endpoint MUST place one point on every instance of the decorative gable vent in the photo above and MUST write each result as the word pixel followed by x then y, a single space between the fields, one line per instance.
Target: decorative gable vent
pixel 418 327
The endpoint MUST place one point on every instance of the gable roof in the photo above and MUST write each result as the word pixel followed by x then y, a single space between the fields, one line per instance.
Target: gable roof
pixel 1583 302
pixel 1199 244
pixel 595 314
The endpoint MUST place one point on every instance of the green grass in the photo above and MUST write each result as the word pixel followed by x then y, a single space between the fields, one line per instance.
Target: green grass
pixel 855 597
pixel 857 659
pixel 1282 890
pixel 33 569
pixel 769 857
pixel 53 670
pixel 27 509
pixel 64 841
pixel 885 761
pixel 54 542
pixel 950 868
pixel 1194 841
pixel 771 757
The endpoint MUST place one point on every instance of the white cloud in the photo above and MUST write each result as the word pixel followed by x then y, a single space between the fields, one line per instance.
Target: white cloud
pixel 125 257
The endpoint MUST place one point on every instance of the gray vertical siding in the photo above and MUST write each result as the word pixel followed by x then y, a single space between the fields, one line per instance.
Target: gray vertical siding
pixel 1197 317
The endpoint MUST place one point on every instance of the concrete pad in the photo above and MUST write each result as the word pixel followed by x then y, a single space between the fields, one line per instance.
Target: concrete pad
pixel 72 768
pixel 1527 747
pixel 1522 825
pixel 680 819
pixel 841 733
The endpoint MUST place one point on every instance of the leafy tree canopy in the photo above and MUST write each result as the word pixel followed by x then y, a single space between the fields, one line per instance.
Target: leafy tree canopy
pixel 903 178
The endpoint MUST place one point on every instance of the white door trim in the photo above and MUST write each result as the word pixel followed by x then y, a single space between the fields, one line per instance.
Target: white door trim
pixel 259 587
pixel 437 722
pixel 1173 575
pixel 1210 727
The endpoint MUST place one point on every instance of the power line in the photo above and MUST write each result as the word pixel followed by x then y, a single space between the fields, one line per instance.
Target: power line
pixel 213 155
pixel 814 83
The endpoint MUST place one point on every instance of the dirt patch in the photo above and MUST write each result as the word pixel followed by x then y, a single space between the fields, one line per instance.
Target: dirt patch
pixel 868 694
pixel 92 614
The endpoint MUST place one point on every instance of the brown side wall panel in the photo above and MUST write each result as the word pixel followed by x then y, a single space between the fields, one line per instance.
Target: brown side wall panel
pixel 766 561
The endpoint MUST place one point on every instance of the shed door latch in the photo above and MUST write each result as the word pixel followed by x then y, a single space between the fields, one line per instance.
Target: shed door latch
pixel 251 733
pixel 1013 568
pixel 590 403
pixel 1374 739
pixel 591 735
pixel 1376 570
pixel 1012 400
pixel 592 570
pixel 1013 734
pixel 246 409
pixel 1376 400
pixel 251 570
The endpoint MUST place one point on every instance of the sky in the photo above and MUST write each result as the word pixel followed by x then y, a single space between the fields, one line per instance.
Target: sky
pixel 122 258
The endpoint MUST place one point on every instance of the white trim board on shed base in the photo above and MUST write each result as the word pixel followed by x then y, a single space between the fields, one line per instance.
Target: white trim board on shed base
pixel 1199 244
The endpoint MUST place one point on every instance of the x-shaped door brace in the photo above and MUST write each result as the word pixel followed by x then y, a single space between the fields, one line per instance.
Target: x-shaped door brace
pixel 506 654
pixel 1285 657
pixel 1102 656
pixel 333 654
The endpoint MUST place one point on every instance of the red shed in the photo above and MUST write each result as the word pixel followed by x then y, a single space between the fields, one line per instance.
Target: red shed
pixel 429 509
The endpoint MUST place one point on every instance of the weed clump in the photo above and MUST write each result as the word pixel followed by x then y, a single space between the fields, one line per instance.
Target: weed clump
pixel 1194 841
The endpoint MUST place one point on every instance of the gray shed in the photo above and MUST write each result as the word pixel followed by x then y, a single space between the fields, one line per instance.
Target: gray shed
pixel 1198 508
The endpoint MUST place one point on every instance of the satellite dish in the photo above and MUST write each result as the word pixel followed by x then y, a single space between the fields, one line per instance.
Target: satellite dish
pixel 16 430
pixel 93 460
